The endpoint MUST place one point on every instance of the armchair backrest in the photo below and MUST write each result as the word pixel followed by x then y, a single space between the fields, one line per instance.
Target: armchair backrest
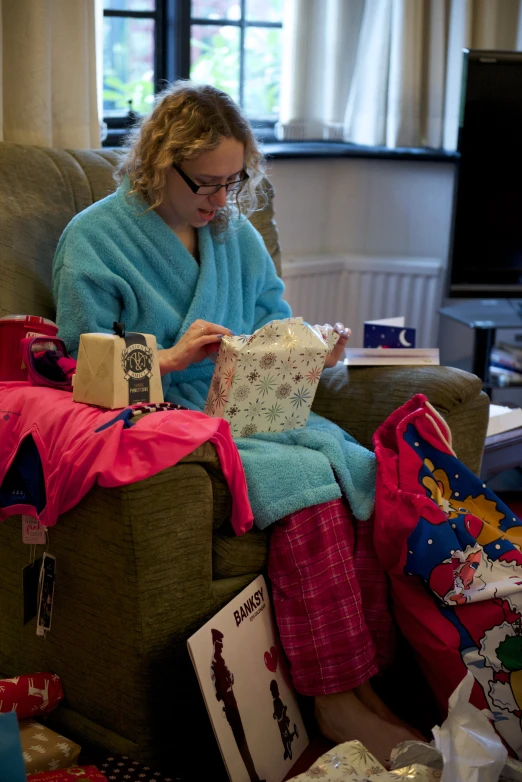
pixel 41 190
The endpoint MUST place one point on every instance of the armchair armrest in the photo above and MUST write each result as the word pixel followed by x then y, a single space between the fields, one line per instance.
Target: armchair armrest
pixel 135 579
pixel 359 399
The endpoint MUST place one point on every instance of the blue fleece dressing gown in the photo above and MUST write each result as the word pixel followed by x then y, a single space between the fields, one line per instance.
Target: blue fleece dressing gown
pixel 115 261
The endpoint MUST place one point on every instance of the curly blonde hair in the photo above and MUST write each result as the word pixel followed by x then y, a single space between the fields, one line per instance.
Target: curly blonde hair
pixel 187 120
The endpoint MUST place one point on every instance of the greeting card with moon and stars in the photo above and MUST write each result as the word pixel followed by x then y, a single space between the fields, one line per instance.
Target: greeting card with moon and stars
pixel 388 333
pixel 247 688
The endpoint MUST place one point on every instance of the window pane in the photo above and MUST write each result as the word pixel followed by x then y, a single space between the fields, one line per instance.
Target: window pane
pixel 262 72
pixel 214 57
pixel 128 65
pixel 264 10
pixel 216 9
pixel 130 5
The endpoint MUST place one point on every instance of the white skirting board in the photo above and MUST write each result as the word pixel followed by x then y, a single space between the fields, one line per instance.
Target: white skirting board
pixel 355 288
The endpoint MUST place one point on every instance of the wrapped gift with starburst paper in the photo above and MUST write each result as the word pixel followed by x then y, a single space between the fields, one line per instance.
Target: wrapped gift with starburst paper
pixel 351 762
pixel 266 381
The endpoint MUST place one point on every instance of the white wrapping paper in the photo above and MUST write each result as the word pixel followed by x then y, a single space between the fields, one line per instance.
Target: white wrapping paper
pixel 470 748
pixel 417 752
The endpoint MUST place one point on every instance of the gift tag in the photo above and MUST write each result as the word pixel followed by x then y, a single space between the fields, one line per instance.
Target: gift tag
pixel 32 531
pixel 31 578
pixel 45 594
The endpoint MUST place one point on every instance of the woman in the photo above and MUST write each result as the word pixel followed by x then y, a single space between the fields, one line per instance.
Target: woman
pixel 171 253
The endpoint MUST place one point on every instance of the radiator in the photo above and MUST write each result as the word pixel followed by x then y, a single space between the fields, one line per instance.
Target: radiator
pixel 355 288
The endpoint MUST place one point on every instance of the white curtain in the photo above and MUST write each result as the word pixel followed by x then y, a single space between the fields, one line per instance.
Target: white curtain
pixel 48 90
pixel 384 72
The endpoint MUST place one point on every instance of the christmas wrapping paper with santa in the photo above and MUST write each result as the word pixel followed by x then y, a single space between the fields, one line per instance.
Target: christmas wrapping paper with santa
pixel 452 550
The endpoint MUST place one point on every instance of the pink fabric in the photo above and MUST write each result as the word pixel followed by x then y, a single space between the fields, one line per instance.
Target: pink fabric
pixel 74 457
pixel 67 365
pixel 331 599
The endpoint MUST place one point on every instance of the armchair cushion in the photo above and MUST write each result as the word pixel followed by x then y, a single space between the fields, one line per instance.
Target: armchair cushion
pixel 359 399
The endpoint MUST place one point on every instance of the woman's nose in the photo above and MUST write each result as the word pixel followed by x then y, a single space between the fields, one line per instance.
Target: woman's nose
pixel 219 199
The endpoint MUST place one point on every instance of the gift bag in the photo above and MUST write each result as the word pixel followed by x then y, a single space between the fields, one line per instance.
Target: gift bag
pixel 452 551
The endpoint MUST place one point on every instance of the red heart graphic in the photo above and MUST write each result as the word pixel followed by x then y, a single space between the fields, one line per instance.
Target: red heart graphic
pixel 271 659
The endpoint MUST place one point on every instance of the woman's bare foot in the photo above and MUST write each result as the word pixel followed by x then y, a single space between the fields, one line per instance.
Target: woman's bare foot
pixel 342 717
pixel 367 695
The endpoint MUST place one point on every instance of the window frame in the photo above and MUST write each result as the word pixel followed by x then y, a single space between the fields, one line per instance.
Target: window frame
pixel 172 34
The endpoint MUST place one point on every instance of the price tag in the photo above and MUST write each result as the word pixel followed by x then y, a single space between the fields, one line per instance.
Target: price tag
pixel 45 594
pixel 32 531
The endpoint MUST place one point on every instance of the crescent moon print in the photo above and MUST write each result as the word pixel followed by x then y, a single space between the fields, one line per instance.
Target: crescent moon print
pixel 402 339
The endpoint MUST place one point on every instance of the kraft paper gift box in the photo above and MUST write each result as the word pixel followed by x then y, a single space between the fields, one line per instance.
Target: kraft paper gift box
pixel 114 371
pixel 266 382
pixel 45 750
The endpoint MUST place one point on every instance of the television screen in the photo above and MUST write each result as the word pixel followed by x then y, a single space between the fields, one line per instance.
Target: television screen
pixel 486 253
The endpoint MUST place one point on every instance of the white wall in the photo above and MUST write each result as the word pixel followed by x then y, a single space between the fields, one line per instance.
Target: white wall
pixel 363 206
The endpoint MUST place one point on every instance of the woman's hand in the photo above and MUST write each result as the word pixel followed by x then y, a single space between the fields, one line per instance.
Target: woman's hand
pixel 338 351
pixel 197 343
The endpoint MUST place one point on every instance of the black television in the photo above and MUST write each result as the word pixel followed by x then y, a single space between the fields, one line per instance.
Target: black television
pixel 486 242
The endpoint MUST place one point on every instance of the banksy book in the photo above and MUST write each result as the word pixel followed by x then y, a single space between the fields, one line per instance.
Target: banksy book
pixel 247 688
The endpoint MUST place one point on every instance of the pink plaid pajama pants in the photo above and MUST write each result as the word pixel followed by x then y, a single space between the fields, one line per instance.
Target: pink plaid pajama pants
pixel 331 599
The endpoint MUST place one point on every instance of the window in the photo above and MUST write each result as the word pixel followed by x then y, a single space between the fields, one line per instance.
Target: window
pixel 129 50
pixel 237 47
pixel 232 44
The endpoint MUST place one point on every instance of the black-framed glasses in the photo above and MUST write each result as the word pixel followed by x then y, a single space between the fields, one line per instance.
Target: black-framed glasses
pixel 230 187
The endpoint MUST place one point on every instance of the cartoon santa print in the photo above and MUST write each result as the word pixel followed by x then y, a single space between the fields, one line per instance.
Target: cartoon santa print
pixel 481 596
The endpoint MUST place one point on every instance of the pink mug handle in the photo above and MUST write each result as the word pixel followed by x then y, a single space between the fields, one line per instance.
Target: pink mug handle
pixel 35 378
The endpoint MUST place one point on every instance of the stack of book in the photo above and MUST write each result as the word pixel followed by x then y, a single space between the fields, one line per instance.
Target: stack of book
pixel 506 364
pixel 503 419
pixel 390 342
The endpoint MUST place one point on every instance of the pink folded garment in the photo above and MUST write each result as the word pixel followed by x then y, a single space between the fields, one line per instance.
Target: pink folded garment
pixel 68 443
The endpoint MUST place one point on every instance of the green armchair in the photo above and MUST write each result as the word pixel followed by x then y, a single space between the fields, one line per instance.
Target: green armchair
pixel 139 568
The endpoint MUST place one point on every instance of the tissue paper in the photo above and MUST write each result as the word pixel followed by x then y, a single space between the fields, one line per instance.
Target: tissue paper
pixel 470 748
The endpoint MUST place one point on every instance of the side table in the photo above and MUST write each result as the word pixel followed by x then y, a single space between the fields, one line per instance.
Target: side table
pixel 485 316
pixel 501 452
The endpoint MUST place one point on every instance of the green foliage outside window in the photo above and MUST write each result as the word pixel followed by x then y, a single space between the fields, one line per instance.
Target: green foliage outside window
pixel 217 63
pixel 122 95
pixel 129 54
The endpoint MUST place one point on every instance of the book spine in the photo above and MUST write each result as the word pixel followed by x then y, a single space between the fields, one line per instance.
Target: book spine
pixel 501 365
